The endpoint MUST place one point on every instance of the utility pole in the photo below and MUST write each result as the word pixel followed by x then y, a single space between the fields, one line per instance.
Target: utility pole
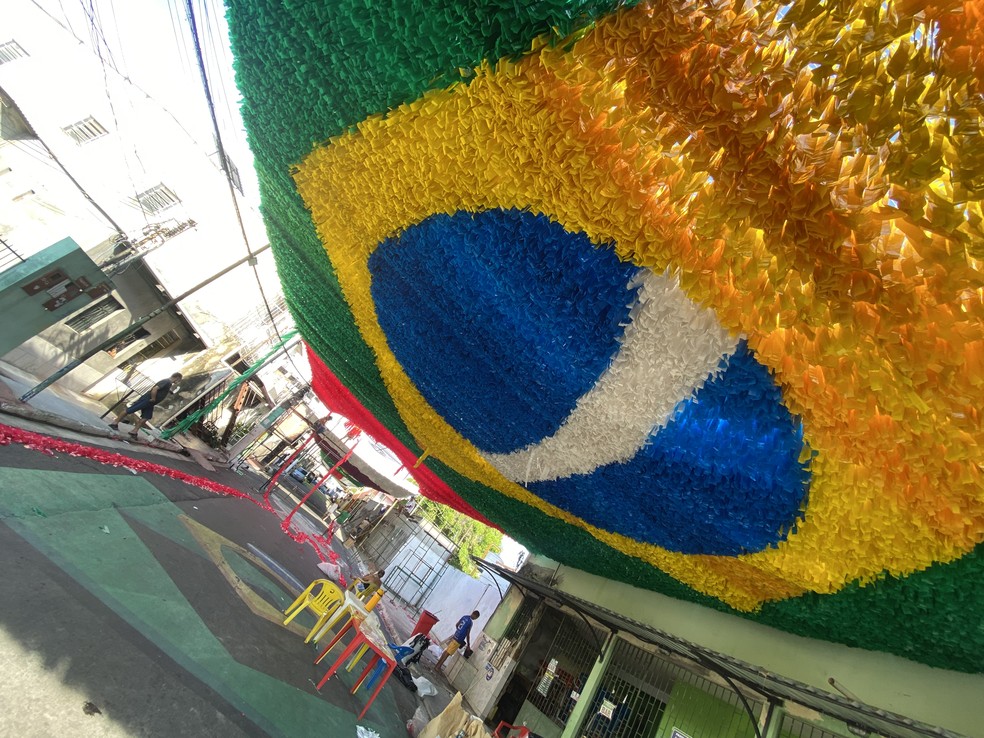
pixel 78 361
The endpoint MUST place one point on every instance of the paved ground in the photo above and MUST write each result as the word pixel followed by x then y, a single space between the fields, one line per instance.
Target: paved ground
pixel 55 399
pixel 155 606
pixel 65 412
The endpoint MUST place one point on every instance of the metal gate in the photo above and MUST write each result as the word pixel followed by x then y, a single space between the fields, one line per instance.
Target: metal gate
pixel 562 674
pixel 644 695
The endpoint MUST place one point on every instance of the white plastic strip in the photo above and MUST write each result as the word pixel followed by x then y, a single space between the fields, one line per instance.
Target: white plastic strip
pixel 669 349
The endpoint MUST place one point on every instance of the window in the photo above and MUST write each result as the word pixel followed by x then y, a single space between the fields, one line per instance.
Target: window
pixel 93 314
pixel 230 168
pixel 124 343
pixel 157 199
pixel 11 50
pixel 85 130
pixel 152 349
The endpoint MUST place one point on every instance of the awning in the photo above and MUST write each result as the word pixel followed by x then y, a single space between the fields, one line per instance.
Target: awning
pixel 357 469
pixel 775 688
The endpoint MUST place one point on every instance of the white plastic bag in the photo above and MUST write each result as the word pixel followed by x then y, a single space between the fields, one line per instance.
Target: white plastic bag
pixel 418 722
pixel 332 571
pixel 424 687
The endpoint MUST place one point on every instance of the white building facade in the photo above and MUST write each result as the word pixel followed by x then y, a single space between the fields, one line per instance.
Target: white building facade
pixel 86 154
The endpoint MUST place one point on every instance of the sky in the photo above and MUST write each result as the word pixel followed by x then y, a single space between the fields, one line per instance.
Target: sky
pixel 150 42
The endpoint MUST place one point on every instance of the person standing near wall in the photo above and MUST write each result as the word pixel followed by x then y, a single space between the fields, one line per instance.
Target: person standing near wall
pixel 461 637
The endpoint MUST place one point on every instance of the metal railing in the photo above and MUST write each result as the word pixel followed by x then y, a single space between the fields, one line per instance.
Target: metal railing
pixel 204 428
pixel 9 256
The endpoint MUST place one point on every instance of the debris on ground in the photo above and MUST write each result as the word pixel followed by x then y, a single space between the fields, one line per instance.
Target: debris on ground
pixel 424 687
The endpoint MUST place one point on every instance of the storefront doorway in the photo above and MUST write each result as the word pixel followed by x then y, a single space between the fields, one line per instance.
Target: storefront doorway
pixel 550 673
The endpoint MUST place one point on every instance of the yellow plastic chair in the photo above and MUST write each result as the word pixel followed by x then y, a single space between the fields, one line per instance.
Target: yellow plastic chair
pixel 322 604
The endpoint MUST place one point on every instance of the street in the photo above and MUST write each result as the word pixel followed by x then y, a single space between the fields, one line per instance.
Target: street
pixel 135 604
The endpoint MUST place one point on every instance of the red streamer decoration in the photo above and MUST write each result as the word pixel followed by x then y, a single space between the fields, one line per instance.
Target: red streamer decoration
pixel 50 446
pixel 337 398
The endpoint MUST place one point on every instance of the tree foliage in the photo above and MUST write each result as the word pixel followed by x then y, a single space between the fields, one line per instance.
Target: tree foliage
pixel 472 538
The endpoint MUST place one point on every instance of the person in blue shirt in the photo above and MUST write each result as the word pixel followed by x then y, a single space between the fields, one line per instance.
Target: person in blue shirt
pixel 461 637
pixel 145 404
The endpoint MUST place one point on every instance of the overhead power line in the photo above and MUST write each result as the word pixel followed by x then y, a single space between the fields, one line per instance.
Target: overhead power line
pixel 189 6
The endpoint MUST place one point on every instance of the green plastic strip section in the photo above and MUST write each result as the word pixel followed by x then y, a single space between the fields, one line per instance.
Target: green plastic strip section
pixel 234 384
pixel 312 69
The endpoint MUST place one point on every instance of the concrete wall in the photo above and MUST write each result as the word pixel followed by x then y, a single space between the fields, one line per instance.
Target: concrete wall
pixel 479 680
pixel 26 314
pixel 457 594
pixel 943 698
pixel 54 347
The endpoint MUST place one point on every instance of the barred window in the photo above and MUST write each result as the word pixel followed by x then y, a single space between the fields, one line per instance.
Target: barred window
pixel 85 131
pixel 11 50
pixel 152 349
pixel 93 314
pixel 157 199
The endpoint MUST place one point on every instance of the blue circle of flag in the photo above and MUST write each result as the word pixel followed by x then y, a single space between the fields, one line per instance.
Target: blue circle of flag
pixel 503 320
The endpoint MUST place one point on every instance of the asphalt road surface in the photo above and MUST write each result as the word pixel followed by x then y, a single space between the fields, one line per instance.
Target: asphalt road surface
pixel 137 605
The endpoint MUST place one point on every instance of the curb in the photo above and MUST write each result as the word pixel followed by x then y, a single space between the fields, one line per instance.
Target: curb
pixel 27 412
pixel 24 411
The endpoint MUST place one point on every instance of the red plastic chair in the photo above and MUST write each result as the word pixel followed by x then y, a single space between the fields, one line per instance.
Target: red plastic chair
pixel 523 732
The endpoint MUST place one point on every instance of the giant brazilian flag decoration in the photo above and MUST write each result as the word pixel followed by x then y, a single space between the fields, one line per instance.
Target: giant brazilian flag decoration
pixel 685 294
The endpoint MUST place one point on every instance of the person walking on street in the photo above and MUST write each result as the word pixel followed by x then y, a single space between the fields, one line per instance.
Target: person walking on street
pixel 461 637
pixel 145 404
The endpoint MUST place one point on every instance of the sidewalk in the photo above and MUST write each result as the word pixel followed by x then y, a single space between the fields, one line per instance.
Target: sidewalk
pixel 65 410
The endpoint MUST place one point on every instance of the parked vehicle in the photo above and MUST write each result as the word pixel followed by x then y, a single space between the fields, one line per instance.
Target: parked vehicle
pixel 278 462
pixel 303 480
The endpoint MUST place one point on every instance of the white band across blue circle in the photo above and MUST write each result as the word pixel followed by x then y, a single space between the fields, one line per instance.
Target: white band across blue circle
pixel 670 347
pixel 598 385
